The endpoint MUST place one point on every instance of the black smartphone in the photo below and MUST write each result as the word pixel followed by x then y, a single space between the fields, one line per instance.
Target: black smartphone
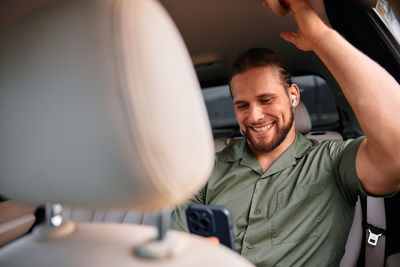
pixel 211 220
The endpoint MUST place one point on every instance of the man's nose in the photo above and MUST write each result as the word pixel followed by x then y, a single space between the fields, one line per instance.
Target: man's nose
pixel 256 113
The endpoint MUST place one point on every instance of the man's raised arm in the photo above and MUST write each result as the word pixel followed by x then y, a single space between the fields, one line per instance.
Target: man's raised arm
pixel 372 92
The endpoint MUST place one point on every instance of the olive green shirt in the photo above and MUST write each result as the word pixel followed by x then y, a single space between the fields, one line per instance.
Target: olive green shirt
pixel 298 212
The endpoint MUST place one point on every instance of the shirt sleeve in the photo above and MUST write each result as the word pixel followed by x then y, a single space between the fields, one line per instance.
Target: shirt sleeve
pixel 178 217
pixel 345 170
pixel 343 156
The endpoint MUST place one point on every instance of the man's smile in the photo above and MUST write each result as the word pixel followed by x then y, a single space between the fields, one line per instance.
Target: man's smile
pixel 262 128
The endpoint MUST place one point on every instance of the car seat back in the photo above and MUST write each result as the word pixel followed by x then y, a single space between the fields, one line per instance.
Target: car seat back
pixel 93 115
pixel 84 118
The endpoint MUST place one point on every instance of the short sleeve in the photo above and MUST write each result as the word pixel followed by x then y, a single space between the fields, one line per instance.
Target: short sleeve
pixel 343 156
pixel 345 171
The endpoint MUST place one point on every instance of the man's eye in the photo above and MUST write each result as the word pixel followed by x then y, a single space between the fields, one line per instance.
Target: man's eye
pixel 266 100
pixel 243 106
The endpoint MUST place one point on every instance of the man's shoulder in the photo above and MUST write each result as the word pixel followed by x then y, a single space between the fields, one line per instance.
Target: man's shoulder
pixel 335 148
pixel 303 146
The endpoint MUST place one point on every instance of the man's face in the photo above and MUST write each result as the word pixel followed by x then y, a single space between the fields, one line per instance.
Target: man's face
pixel 262 107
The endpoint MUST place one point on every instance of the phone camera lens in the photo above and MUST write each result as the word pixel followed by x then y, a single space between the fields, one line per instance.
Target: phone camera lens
pixel 195 226
pixel 193 216
pixel 204 222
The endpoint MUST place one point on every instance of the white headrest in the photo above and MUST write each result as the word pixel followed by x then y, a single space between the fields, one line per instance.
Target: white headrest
pixel 302 118
pixel 99 105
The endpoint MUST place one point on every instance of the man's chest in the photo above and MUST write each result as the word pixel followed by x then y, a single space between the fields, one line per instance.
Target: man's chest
pixel 286 206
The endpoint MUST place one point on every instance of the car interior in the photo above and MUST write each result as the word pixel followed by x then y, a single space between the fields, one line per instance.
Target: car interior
pixel 105 129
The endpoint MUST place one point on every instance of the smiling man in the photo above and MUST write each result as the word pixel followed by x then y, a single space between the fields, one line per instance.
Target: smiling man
pixel 293 199
pixel 264 99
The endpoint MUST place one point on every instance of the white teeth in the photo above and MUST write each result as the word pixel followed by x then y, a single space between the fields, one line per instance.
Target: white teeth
pixel 264 128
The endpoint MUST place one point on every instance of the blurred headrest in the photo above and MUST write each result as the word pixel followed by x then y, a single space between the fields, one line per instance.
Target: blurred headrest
pixel 302 118
pixel 99 105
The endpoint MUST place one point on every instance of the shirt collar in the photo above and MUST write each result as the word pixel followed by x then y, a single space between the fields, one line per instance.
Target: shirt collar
pixel 241 151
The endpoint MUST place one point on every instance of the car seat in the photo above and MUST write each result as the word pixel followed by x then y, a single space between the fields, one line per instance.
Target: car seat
pixel 99 107
pixel 15 220
pixel 303 125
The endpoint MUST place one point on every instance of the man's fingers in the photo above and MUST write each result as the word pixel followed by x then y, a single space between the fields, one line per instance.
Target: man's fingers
pixel 213 239
pixel 285 3
pixel 276 6
pixel 265 5
pixel 289 36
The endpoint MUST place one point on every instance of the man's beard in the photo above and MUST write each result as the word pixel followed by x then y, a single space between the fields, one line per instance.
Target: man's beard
pixel 265 147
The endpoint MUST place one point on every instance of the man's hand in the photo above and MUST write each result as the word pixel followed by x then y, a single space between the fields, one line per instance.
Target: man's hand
pixel 213 239
pixel 311 29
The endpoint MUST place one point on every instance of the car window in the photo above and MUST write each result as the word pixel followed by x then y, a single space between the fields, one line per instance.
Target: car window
pixel 318 98
pixel 314 92
pixel 219 106
pixel 389 18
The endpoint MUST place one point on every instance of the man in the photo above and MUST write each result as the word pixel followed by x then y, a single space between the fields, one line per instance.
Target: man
pixel 293 199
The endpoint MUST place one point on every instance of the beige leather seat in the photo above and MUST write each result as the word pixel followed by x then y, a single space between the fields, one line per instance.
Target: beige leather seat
pixel 130 216
pixel 99 106
pixel 15 220
pixel 303 125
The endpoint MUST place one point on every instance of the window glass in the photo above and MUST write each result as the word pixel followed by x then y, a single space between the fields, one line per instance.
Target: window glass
pixel 387 15
pixel 314 92
pixel 318 98
pixel 219 106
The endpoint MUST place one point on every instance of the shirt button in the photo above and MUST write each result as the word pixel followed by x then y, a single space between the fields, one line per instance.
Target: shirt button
pixel 257 212
pixel 250 246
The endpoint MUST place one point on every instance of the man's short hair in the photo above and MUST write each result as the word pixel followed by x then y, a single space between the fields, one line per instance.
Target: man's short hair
pixel 260 57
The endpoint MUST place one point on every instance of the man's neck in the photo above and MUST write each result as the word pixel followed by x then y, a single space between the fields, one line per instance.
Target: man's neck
pixel 266 159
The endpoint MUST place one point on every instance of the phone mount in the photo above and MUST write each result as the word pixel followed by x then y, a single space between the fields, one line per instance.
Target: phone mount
pixel 278 7
pixel 163 245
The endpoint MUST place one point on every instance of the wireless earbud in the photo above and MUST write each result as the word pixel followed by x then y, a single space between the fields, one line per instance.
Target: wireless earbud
pixel 294 100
